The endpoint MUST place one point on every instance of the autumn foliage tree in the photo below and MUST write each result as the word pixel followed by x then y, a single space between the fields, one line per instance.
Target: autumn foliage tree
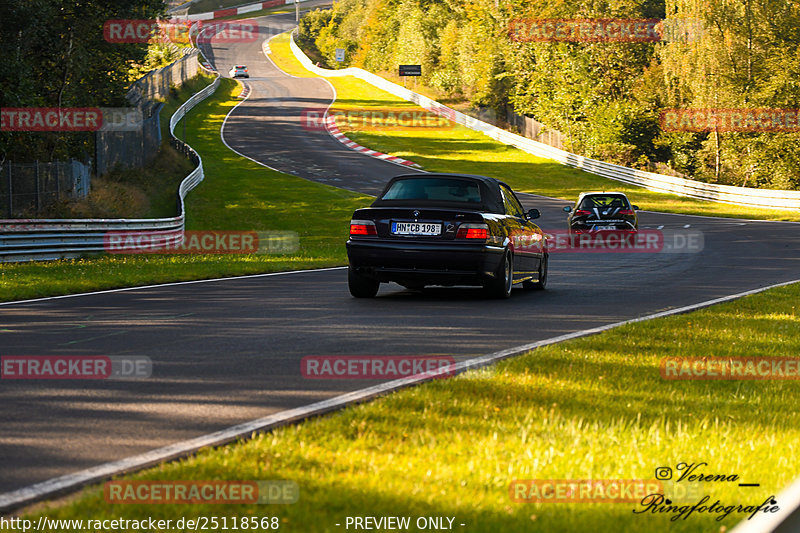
pixel 606 97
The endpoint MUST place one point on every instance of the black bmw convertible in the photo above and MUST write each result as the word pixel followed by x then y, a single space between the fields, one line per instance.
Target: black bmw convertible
pixel 446 229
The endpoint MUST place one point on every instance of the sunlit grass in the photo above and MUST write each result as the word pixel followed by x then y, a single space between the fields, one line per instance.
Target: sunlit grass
pixel 461 150
pixel 592 408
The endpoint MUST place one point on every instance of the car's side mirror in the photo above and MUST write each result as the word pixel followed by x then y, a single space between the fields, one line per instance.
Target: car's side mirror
pixel 533 214
pixel 636 207
pixel 567 209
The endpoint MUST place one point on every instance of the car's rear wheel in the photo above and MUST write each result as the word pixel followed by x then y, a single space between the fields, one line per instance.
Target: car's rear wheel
pixel 542 282
pixel 500 286
pixel 361 286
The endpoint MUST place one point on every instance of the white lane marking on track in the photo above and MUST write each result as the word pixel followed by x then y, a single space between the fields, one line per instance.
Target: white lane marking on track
pixel 222 138
pixel 104 471
pixel 325 115
pixel 171 284
pixel 720 219
pixel 225 121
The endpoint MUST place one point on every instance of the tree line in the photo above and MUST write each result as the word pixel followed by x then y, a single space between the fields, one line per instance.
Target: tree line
pixel 55 55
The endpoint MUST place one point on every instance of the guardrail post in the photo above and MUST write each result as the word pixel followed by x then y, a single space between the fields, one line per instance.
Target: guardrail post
pixel 10 209
pixel 58 182
pixel 38 192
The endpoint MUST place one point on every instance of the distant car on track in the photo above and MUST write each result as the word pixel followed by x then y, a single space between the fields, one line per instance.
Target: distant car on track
pixel 446 229
pixel 602 211
pixel 239 71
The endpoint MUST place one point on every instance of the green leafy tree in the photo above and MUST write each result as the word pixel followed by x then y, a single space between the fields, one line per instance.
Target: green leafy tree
pixel 55 55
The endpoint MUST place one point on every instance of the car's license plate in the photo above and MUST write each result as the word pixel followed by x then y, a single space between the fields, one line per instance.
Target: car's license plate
pixel 604 228
pixel 415 228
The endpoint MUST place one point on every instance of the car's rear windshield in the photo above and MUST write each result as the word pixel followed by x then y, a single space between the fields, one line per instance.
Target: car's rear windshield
pixel 240 66
pixel 610 200
pixel 436 189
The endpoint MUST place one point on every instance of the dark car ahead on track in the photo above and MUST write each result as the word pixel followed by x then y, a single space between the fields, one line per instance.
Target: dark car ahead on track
pixel 446 229
pixel 602 211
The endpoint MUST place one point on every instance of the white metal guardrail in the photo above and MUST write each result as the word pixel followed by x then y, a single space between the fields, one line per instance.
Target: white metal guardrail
pixel 45 239
pixel 241 9
pixel 746 196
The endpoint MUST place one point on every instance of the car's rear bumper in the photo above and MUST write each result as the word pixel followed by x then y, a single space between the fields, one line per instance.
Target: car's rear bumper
pixel 584 228
pixel 452 263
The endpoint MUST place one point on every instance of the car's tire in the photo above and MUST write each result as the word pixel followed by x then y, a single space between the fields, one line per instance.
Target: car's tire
pixel 500 286
pixel 361 286
pixel 542 283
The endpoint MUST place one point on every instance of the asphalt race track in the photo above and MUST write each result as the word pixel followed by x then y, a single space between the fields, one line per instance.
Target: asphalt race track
pixel 228 351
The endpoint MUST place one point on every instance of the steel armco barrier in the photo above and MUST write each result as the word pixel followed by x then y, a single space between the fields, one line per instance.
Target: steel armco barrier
pixel 46 239
pixel 242 9
pixel 746 196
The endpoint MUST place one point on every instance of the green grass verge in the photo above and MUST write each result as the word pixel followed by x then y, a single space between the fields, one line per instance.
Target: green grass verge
pixel 592 408
pixel 236 194
pixel 461 150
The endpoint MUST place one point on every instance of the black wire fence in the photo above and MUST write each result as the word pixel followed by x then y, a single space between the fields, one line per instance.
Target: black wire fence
pixel 28 188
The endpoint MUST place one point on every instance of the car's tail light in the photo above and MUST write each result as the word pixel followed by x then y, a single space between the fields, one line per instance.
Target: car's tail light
pixel 363 227
pixel 473 231
pixel 626 212
pixel 582 212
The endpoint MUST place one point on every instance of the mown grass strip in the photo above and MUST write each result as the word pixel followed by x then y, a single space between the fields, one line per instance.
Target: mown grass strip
pixel 237 194
pixel 455 148
pixel 591 408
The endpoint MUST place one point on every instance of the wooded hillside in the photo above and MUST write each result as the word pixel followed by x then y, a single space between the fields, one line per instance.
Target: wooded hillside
pixel 607 97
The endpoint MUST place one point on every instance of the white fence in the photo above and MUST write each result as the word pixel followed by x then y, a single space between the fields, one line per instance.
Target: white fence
pixel 233 11
pixel 763 198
